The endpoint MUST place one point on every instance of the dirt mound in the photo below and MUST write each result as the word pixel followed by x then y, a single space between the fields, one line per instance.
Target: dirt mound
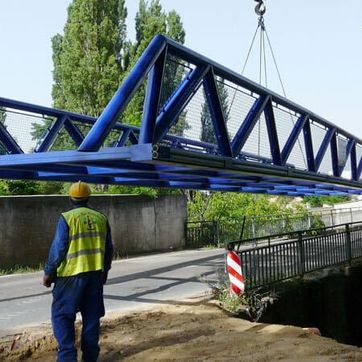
pixel 188 331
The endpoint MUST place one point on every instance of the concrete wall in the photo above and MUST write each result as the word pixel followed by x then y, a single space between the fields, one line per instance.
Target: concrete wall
pixel 139 224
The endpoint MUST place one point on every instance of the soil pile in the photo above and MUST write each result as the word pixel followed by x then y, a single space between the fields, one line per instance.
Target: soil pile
pixel 188 331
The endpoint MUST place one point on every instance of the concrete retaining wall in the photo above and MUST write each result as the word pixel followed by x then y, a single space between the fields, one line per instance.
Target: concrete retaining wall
pixel 139 224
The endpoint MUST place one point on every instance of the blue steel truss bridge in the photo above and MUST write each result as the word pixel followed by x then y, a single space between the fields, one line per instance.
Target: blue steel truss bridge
pixel 203 127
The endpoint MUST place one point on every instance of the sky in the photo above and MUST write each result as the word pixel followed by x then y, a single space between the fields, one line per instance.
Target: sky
pixel 317 45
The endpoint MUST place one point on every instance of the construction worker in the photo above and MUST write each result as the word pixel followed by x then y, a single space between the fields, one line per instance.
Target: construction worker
pixel 79 260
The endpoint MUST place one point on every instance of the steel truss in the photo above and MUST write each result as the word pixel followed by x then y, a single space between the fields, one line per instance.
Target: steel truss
pixel 152 156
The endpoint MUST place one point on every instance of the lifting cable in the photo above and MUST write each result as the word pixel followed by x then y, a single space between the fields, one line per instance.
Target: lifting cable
pixel 260 10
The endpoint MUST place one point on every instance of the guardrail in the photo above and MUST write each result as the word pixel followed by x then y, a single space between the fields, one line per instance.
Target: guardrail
pixel 304 251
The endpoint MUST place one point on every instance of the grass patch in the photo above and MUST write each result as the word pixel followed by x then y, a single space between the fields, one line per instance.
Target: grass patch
pixel 251 305
pixel 20 269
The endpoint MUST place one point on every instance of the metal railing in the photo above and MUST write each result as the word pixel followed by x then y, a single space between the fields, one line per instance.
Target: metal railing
pixel 201 233
pixel 339 216
pixel 272 260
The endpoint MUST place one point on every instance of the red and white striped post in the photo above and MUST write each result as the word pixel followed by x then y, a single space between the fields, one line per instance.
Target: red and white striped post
pixel 237 280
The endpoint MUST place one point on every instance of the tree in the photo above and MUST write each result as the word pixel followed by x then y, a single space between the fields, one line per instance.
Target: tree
pixel 88 57
pixel 88 61
pixel 256 215
pixel 150 21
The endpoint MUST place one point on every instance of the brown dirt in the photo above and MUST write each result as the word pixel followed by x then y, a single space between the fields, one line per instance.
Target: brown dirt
pixel 187 331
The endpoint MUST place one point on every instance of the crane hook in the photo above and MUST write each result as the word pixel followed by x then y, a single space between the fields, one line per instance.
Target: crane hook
pixel 260 8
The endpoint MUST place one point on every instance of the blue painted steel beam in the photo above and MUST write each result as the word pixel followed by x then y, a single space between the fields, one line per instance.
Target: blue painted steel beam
pixel 334 155
pixel 247 126
pixel 359 169
pixel 272 134
pixel 293 137
pixel 308 143
pixel 123 138
pixel 51 134
pixel 8 141
pixel 350 145
pixel 181 162
pixel 132 153
pixel 354 169
pixel 170 112
pixel 152 100
pixel 217 114
pixel 191 56
pixel 74 132
pixel 109 116
pixel 323 147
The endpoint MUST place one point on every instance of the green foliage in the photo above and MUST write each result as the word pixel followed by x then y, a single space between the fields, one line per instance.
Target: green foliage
pixel 3 187
pixel 230 302
pixel 51 188
pixel 22 187
pixel 29 187
pixel 319 201
pixel 88 58
pixel 245 216
pixel 147 191
pixel 226 206
pixel 317 222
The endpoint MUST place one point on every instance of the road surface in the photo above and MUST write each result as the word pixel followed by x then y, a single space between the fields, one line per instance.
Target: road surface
pixel 133 283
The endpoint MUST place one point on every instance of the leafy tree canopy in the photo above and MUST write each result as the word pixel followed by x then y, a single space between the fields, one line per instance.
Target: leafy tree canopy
pixel 319 201
pixel 226 206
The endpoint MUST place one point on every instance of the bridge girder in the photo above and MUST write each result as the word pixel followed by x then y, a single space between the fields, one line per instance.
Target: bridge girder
pixel 108 151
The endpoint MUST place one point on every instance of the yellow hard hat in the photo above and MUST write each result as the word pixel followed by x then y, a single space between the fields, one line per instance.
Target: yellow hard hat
pixel 79 190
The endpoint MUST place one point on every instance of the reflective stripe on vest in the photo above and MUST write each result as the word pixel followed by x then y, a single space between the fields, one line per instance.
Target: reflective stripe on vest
pixel 87 236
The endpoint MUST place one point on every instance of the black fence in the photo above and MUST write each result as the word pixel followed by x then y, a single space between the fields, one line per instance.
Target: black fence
pixel 218 232
pixel 285 256
pixel 202 233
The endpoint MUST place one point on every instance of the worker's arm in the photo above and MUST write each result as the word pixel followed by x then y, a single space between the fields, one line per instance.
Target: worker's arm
pixel 108 254
pixel 57 252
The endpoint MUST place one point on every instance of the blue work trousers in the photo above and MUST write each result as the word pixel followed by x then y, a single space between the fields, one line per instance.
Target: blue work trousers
pixel 81 293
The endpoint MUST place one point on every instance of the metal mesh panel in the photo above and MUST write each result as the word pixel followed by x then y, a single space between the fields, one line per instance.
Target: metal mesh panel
pixel 326 164
pixel 285 121
pixel 189 121
pixel 175 71
pixel 258 140
pixel 318 132
pixel 63 142
pixel 21 126
pixel 359 155
pixel 239 101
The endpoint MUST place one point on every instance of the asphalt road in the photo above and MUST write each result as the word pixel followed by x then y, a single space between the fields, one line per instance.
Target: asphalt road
pixel 133 283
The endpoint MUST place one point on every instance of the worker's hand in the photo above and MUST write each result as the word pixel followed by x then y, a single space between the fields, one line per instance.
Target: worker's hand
pixel 104 277
pixel 48 280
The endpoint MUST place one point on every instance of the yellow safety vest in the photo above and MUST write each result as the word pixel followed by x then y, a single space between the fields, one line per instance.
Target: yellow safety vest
pixel 87 237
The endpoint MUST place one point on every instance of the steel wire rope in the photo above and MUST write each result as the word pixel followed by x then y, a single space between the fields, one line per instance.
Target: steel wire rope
pixel 262 55
pixel 283 90
pixel 243 69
